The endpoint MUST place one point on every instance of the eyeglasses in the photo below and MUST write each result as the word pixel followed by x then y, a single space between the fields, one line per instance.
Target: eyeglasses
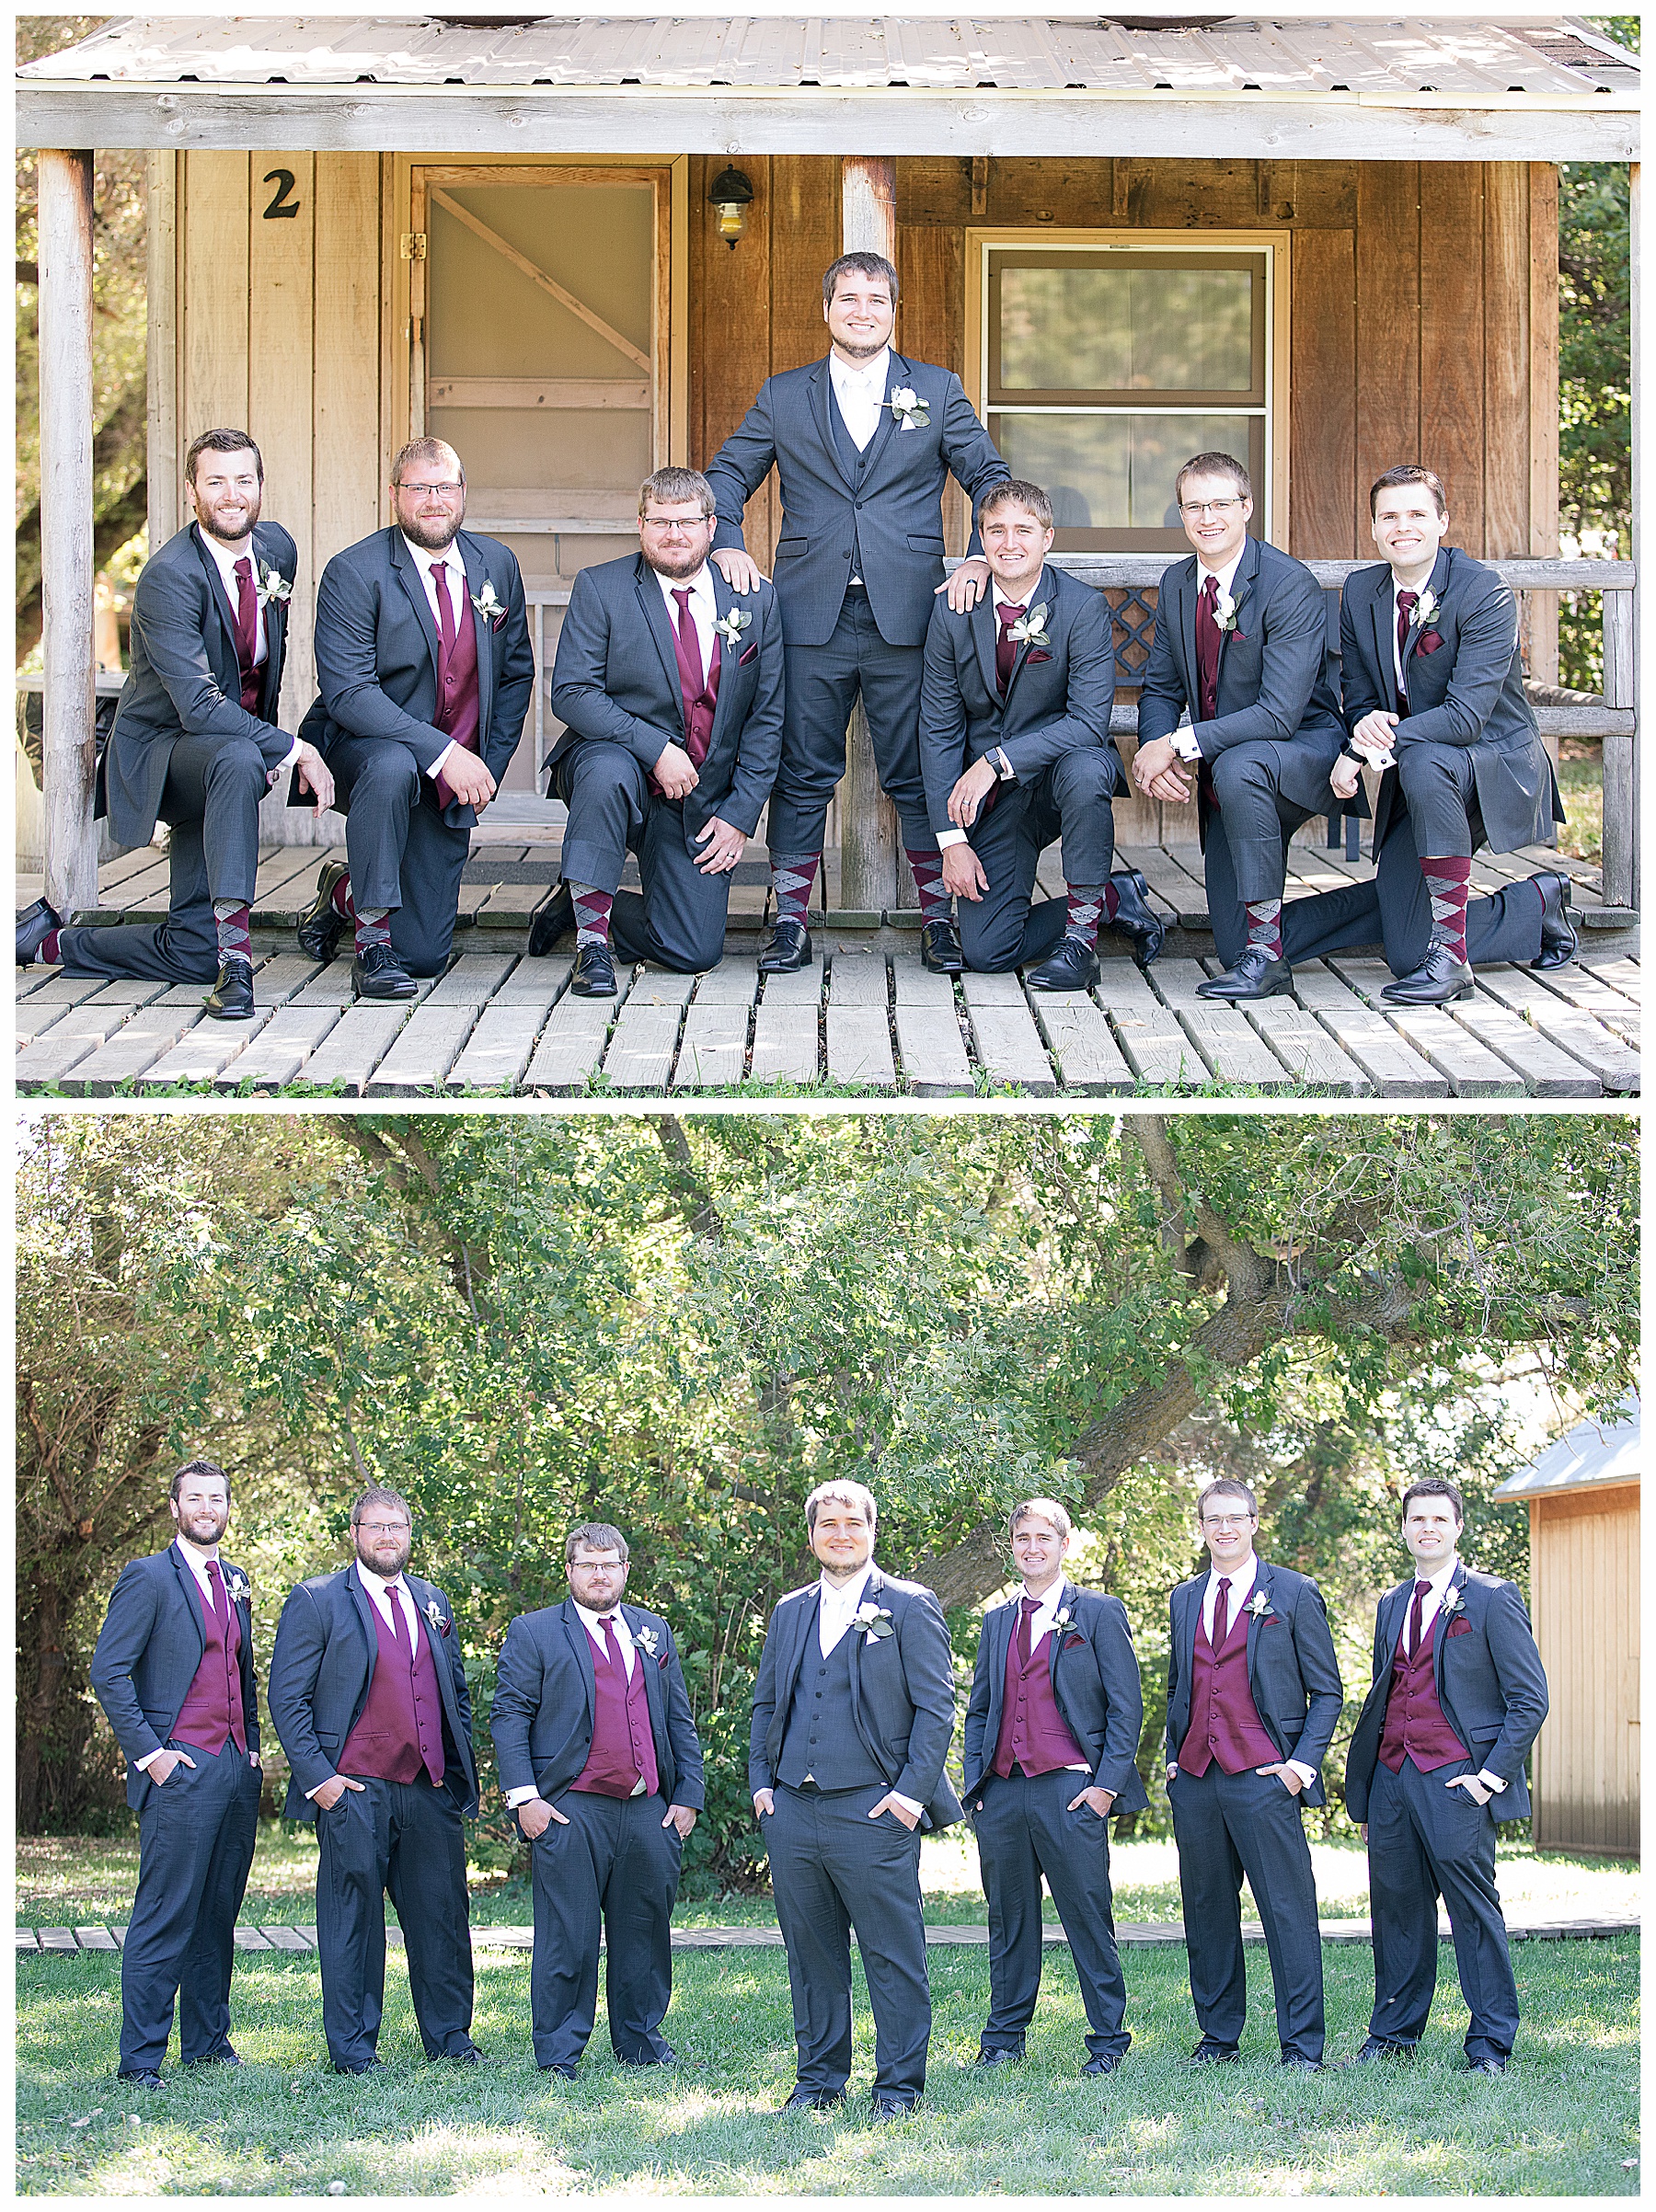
pixel 432 491
pixel 384 1528
pixel 1226 1520
pixel 1195 509
pixel 669 524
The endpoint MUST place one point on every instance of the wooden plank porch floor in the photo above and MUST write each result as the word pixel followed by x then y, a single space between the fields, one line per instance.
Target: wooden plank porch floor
pixel 865 1019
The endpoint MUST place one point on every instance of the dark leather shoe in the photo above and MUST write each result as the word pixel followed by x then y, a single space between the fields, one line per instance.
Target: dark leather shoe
pixel 1000 2057
pixel 379 974
pixel 145 2077
pixel 564 2073
pixel 1133 918
pixel 940 949
pixel 1255 976
pixel 231 998
pixel 225 2058
pixel 1107 2064
pixel 551 917
pixel 1557 934
pixel 1300 2063
pixel 369 2066
pixel 670 2059
pixel 813 2100
pixel 1376 2048
pixel 35 924
pixel 322 926
pixel 594 976
pixel 1439 979
pixel 1489 2064
pixel 1213 2054
pixel 882 2109
pixel 787 948
pixel 1072 967
pixel 470 2055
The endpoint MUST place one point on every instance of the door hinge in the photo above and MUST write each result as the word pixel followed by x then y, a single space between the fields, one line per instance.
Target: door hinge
pixel 413 245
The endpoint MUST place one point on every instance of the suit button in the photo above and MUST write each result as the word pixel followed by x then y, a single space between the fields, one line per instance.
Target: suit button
pixel 845 553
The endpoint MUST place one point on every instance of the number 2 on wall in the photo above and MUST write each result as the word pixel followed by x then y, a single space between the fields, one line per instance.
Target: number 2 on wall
pixel 280 204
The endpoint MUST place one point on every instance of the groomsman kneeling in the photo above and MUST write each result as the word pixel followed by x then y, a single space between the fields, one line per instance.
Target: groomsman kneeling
pixel 1016 750
pixel 1253 1696
pixel 1052 1734
pixel 671 685
pixel 1436 1759
pixel 599 1759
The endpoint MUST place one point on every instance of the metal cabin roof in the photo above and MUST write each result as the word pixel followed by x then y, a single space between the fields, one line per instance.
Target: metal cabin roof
pixel 1460 64
pixel 1597 1452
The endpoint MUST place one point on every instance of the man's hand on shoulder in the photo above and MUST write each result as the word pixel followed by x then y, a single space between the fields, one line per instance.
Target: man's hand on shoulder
pixel 738 567
pixel 967 585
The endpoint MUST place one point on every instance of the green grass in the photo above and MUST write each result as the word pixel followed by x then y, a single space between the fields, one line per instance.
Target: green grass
pixel 1582 781
pixel 1563 2122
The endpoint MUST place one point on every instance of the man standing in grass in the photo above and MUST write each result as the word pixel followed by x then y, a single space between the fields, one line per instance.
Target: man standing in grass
pixel 174 1671
pixel 1052 1734
pixel 1253 1694
pixel 1437 1758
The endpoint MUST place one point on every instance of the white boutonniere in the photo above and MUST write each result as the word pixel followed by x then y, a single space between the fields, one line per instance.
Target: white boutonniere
pixel 433 1613
pixel 909 410
pixel 1258 1604
pixel 1030 628
pixel 1060 1618
pixel 1424 608
pixel 1453 1602
pixel 488 606
pixel 1224 611
pixel 272 585
pixel 730 626
pixel 237 1588
pixel 875 1619
pixel 646 1640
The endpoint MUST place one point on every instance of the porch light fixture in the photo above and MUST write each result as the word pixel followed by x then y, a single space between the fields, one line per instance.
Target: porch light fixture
pixel 732 194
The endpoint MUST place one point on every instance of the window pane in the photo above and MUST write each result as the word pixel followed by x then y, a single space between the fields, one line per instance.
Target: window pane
pixel 1113 472
pixel 1123 328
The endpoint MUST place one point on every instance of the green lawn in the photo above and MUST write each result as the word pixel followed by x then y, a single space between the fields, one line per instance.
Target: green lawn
pixel 1563 2122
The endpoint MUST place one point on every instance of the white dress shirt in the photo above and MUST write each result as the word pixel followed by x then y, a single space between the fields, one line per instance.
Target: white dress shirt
pixel 703 607
pixel 860 387
pixel 995 755
pixel 1184 739
pixel 224 558
pixel 195 1559
pixel 836 1608
pixel 454 578
pixel 592 1623
pixel 1242 1580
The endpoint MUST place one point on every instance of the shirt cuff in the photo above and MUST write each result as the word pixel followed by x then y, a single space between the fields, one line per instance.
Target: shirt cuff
pixel 321 1785
pixel 436 770
pixel 288 759
pixel 1492 1781
pixel 1183 742
pixel 951 837
pixel 143 1764
pixel 1306 1774
pixel 908 1803
pixel 520 1797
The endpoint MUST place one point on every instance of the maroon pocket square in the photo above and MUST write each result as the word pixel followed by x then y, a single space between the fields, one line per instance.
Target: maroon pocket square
pixel 1073 1643
pixel 1034 658
pixel 1429 641
pixel 662 1661
pixel 1458 1628
pixel 751 654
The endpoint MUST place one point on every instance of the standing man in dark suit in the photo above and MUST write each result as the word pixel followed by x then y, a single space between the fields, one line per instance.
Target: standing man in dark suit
pixel 195 742
pixel 1253 1694
pixel 600 1761
pixel 368 1696
pixel 424 671
pixel 863 442
pixel 671 687
pixel 1433 694
pixel 1015 748
pixel 174 1671
pixel 853 1712
pixel 1242 647
pixel 1436 1760
pixel 1052 1740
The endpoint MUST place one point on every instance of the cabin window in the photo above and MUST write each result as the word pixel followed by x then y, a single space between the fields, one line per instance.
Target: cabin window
pixel 1107 366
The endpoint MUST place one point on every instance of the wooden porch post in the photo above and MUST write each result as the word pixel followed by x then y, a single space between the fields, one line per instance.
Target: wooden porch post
pixel 68 749
pixel 1620 846
pixel 869 871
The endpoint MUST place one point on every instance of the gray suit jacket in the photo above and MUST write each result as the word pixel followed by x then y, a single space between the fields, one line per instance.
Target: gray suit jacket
pixel 377 655
pixel 1277 671
pixel 897 508
pixel 185 679
pixel 546 1691
pixel 1095 1677
pixel 1467 690
pixel 1057 702
pixel 1291 1669
pixel 1490 1680
pixel 615 678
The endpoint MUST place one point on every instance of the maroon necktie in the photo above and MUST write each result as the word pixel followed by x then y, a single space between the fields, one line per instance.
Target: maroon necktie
pixel 693 681
pixel 1406 602
pixel 1030 1606
pixel 1221 1613
pixel 445 610
pixel 1207 646
pixel 1005 647
pixel 221 1607
pixel 1417 1616
pixel 247 634
pixel 606 1621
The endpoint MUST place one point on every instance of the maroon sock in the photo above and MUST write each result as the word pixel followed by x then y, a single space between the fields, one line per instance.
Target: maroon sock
pixel 1113 902
pixel 1265 926
pixel 936 902
pixel 791 878
pixel 234 930
pixel 342 899
pixel 1085 905
pixel 591 913
pixel 1448 880
pixel 49 948
pixel 372 928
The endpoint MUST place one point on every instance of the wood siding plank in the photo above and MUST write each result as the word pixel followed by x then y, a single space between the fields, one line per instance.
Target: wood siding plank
pixel 1389 325
pixel 1322 396
pixel 1452 316
pixel 1506 361
pixel 214 226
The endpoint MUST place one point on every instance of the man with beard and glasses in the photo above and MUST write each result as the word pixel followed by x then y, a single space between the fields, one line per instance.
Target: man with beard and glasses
pixel 368 1696
pixel 195 742
pixel 671 684
pixel 424 671
pixel 174 1671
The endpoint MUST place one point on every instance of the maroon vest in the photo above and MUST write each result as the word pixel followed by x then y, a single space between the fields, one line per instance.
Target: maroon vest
pixel 623 1742
pixel 1415 1727
pixel 398 1733
pixel 456 714
pixel 1224 1721
pixel 1033 1730
pixel 211 1710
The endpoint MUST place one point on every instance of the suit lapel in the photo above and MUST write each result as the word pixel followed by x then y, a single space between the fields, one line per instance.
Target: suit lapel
pixel 1380 618
pixel 275 629
pixel 1056 1635
pixel 1435 584
pixel 1248 569
pixel 476 576
pixel 1021 651
pixel 191 1592
pixel 654 610
pixel 580 1647
pixel 653 1675
pixel 1458 1581
pixel 227 613
pixel 984 623
pixel 413 585
pixel 1184 629
pixel 724 599
pixel 1261 1582
pixel 823 394
pixel 363 1606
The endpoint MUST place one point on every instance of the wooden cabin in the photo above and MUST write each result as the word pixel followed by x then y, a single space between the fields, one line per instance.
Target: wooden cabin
pixel 1582 1497
pixel 1325 246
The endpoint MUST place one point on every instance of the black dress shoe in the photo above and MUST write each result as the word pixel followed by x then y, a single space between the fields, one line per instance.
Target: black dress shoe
pixel 231 998
pixel 551 917
pixel 1300 2063
pixel 1489 2063
pixel 812 2099
pixel 1000 2057
pixel 322 926
pixel 669 2059
pixel 1133 918
pixel 787 948
pixel 145 2078
pixel 940 949
pixel 1557 935
pixel 379 974
pixel 470 2055
pixel 35 924
pixel 595 975
pixel 1072 967
pixel 1254 976
pixel 1105 2064
pixel 225 2058
pixel 564 2073
pixel 1213 2054
pixel 1439 979
pixel 1376 2048
pixel 882 2109
pixel 369 2066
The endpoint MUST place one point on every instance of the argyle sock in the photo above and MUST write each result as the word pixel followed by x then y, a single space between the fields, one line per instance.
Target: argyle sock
pixel 791 878
pixel 234 942
pixel 339 899
pixel 1113 902
pixel 1448 880
pixel 47 957
pixel 1085 907
pixel 1265 926
pixel 937 904
pixel 591 913
pixel 373 927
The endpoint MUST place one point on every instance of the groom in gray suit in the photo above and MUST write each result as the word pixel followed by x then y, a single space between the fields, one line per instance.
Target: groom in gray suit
pixel 863 442
pixel 853 1712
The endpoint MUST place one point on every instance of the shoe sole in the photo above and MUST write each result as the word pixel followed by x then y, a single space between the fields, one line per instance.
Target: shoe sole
pixel 1243 998
pixel 1447 998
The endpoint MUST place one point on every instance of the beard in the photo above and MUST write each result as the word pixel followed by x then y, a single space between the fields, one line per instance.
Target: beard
pixel 242 530
pixel 433 535
pixel 676 564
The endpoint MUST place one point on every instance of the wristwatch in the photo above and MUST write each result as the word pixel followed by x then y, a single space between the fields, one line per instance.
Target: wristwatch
pixel 1005 770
